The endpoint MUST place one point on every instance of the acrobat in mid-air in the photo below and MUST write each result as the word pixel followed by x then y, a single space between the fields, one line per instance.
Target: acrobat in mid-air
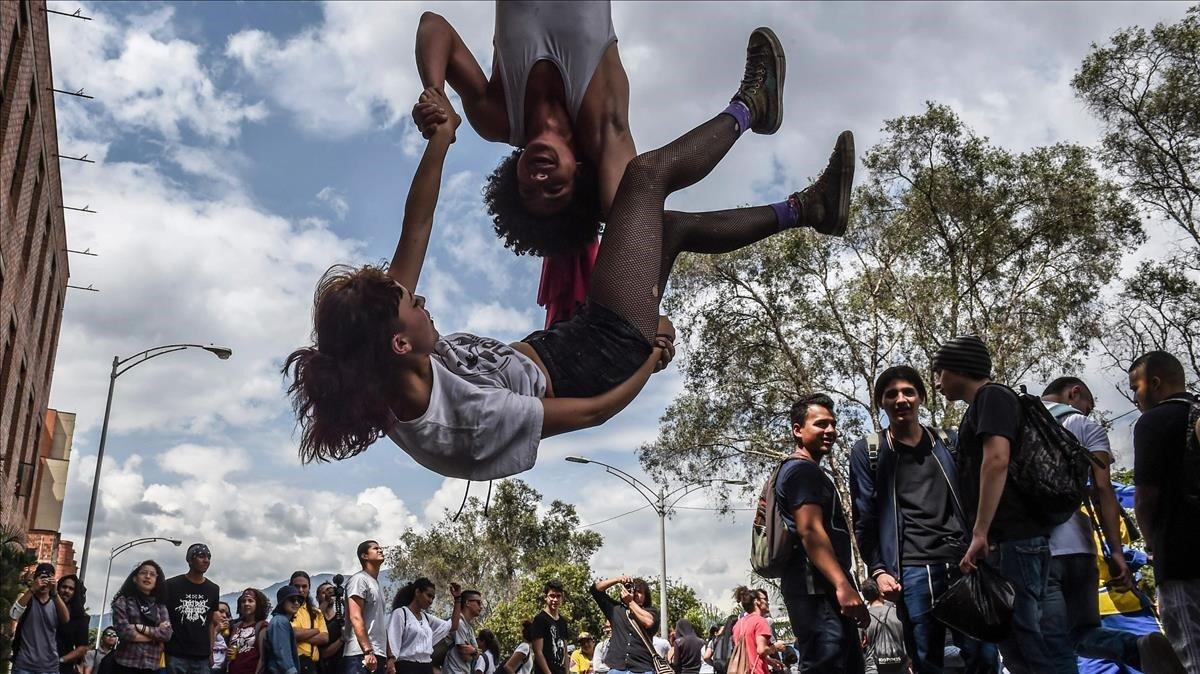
pixel 472 407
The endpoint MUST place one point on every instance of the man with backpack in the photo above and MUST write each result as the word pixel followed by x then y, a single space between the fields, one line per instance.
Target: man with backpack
pixel 1166 473
pixel 1002 516
pixel 1071 610
pixel 908 520
pixel 885 635
pixel 822 602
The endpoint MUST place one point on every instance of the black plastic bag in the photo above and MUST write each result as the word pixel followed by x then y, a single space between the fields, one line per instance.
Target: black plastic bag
pixel 978 604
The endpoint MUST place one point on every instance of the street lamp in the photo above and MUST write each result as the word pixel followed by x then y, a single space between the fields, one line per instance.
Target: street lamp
pixel 119 367
pixel 662 501
pixel 113 555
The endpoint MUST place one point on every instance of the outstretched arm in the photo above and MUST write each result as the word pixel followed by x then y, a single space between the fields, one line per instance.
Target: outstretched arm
pixel 422 199
pixel 443 58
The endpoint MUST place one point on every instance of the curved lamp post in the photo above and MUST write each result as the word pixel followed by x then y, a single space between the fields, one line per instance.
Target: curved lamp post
pixel 662 501
pixel 119 367
pixel 113 555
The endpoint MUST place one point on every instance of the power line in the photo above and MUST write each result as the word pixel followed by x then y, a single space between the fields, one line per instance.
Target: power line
pixel 585 526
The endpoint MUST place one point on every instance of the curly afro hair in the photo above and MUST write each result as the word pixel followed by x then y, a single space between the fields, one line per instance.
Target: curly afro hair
pixel 563 232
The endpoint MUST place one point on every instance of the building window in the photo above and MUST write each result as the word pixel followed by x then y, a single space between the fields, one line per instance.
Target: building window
pixel 36 300
pixel 10 347
pixel 35 205
pixel 46 313
pixel 12 62
pixel 15 419
pixel 14 190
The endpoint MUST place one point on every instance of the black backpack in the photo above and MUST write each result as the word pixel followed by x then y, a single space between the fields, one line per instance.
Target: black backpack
pixel 772 541
pixel 1189 465
pixel 886 643
pixel 1048 466
pixel 722 648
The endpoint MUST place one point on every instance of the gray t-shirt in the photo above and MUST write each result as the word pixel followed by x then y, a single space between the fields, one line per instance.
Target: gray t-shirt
pixel 366 587
pixel 39 651
pixel 455 662
pixel 1074 537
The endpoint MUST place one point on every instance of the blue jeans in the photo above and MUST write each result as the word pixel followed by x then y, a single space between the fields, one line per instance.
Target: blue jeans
pixel 924 635
pixel 1026 564
pixel 352 664
pixel 826 640
pixel 18 670
pixel 1071 617
pixel 181 665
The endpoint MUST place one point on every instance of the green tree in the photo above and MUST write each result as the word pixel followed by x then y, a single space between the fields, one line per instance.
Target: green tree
pixel 949 235
pixel 1142 86
pixel 493 547
pixel 578 607
pixel 682 602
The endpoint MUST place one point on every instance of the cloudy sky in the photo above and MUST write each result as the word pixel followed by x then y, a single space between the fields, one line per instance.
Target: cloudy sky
pixel 243 148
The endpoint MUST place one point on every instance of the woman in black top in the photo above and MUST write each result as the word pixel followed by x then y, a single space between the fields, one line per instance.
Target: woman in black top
pixel 688 649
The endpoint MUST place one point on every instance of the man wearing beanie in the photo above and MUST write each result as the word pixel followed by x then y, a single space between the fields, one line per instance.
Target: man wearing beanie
pixel 1005 529
pixel 191 601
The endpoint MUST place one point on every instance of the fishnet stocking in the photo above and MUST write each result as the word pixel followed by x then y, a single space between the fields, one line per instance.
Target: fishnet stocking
pixel 641 240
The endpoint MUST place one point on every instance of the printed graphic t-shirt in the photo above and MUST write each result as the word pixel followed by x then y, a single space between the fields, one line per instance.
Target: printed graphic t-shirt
pixel 190 605
pixel 484 419
pixel 553 633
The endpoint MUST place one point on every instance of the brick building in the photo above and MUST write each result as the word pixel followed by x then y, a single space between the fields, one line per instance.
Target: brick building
pixel 33 259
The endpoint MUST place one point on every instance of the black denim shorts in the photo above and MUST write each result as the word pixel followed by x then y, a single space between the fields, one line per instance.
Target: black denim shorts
pixel 590 353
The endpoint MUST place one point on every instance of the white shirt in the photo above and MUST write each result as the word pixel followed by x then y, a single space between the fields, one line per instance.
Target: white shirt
pixel 411 638
pixel 365 587
pixel 484 419
pixel 662 646
pixel 526 664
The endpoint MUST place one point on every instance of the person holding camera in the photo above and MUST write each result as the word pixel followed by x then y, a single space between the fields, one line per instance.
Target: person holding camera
pixel 627 651
pixel 35 644
pixel 331 604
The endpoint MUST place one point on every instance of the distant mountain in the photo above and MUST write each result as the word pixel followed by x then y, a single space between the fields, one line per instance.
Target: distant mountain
pixel 231 597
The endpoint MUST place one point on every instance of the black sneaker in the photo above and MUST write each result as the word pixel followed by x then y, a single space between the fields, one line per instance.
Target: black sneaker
pixel 762 85
pixel 1157 656
pixel 825 204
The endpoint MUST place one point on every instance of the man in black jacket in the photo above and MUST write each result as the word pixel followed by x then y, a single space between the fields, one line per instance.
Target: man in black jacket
pixel 627 650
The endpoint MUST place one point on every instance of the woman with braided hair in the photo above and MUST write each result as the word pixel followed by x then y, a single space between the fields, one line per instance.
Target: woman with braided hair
pixel 475 408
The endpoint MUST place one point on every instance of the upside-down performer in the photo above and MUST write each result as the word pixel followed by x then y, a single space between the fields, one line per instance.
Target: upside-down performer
pixel 475 408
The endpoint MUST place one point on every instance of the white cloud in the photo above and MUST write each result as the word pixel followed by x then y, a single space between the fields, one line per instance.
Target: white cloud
pixel 146 77
pixel 493 318
pixel 335 200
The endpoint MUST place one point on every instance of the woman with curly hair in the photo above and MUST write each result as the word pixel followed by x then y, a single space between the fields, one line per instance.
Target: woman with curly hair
pixel 558 92
pixel 475 408
pixel 246 632
pixel 139 613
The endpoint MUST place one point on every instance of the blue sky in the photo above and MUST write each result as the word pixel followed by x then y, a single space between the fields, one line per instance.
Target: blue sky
pixel 245 147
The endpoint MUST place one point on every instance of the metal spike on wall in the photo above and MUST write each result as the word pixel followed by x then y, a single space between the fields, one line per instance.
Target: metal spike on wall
pixel 83 159
pixel 89 288
pixel 85 209
pixel 77 14
pixel 87 252
pixel 79 93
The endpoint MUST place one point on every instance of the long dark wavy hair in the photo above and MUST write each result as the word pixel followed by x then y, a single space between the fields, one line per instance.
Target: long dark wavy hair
pixel 339 383
pixel 130 589
pixel 563 232
pixel 262 605
pixel 79 599
pixel 404 595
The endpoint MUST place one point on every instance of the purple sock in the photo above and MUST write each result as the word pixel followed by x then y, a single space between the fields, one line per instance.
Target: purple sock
pixel 740 114
pixel 787 215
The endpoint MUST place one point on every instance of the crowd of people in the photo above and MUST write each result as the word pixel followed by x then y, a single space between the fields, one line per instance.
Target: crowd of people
pixel 929 506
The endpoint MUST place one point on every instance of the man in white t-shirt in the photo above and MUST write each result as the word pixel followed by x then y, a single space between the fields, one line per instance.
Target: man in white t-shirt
pixel 366 615
pixel 1071 608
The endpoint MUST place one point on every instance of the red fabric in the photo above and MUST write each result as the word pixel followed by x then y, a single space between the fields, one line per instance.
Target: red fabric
pixel 748 629
pixel 565 282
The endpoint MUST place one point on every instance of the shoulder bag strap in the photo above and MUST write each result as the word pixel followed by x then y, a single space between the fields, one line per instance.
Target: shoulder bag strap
pixel 637 629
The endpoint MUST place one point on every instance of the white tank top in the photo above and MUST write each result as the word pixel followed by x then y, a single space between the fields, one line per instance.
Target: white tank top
pixel 571 35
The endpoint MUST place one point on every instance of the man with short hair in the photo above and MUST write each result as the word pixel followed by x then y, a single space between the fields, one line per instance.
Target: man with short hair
pixel 581 658
pixel 466 647
pixel 549 644
pixel 909 520
pixel 885 627
pixel 191 601
pixel 108 643
pixel 279 655
pixel 626 652
pixel 308 625
pixel 1071 609
pixel 988 435
pixel 1166 464
pixel 821 599
pixel 366 614
pixel 38 612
